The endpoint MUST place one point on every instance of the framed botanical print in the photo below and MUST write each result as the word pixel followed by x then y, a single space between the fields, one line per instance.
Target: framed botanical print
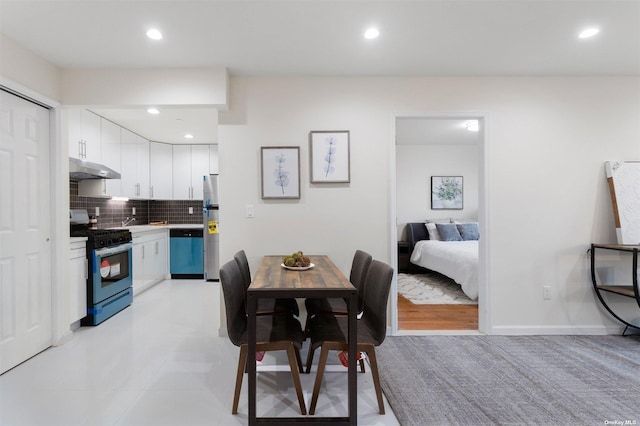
pixel 280 170
pixel 446 192
pixel 329 156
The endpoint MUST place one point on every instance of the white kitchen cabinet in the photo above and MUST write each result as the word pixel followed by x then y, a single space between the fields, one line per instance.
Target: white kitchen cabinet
pixel 190 164
pixel 111 152
pixel 150 259
pixel 83 133
pixel 199 168
pixel 182 172
pixel 77 281
pixel 161 171
pixel 135 165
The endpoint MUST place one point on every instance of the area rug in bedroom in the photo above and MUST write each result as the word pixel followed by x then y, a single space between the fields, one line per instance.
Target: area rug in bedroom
pixel 432 289
pixel 511 380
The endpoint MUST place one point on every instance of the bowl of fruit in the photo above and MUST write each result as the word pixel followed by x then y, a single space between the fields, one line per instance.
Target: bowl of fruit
pixel 297 262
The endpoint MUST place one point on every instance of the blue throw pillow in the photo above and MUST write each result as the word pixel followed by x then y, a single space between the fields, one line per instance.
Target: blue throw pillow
pixel 448 232
pixel 468 231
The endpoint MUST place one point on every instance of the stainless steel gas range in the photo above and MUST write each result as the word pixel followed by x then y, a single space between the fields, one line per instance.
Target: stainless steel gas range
pixel 110 268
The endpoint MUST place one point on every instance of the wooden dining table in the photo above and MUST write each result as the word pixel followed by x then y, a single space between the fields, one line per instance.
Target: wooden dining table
pixel 324 279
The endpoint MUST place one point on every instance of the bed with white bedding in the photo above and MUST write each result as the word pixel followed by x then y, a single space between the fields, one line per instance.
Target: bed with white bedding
pixel 457 259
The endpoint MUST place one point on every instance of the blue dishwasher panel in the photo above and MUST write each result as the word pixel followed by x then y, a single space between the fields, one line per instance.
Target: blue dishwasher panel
pixel 186 253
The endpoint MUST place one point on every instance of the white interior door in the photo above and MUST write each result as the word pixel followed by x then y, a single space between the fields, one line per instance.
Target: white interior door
pixel 25 251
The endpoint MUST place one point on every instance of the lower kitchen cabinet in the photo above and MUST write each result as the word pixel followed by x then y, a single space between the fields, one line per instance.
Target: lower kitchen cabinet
pixel 77 281
pixel 150 259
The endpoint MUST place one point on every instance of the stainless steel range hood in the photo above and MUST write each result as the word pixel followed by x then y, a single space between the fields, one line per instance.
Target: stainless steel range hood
pixel 81 170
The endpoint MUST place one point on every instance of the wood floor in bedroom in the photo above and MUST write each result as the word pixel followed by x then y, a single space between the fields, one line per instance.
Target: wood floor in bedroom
pixel 436 317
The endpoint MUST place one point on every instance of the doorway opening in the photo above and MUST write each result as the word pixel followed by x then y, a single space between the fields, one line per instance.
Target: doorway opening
pixel 439 178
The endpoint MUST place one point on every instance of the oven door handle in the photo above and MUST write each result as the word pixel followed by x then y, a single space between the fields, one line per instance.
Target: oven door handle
pixel 107 251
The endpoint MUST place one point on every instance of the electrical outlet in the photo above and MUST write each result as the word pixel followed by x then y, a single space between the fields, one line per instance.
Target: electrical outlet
pixel 250 210
pixel 97 211
pixel 133 211
pixel 190 210
pixel 546 292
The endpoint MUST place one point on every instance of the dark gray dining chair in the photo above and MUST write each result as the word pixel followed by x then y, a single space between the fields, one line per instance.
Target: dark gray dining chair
pixel 336 306
pixel 359 267
pixel 329 332
pixel 265 306
pixel 273 332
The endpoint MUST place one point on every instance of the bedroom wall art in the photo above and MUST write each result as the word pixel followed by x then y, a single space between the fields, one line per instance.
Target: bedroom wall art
pixel 280 171
pixel 446 193
pixel 329 156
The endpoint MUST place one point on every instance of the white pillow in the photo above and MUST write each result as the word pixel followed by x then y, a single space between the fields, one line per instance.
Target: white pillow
pixel 445 220
pixel 432 231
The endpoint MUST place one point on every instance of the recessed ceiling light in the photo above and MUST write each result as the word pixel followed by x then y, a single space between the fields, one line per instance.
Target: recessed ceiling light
pixel 371 33
pixel 153 111
pixel 188 136
pixel 472 126
pixel 589 32
pixel 154 34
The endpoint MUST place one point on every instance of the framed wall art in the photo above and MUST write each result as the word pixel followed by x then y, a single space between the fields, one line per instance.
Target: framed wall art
pixel 329 156
pixel 280 171
pixel 446 193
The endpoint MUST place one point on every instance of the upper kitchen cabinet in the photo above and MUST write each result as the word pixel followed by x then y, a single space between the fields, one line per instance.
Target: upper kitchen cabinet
pixel 110 149
pixel 161 171
pixel 110 152
pixel 190 164
pixel 84 134
pixel 135 165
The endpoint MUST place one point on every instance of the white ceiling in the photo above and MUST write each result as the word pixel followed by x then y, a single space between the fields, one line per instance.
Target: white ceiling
pixel 306 37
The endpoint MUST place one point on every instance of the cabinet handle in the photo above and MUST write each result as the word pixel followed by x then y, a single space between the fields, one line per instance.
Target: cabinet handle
pixel 151 191
pixel 157 246
pixel 86 269
pixel 143 252
pixel 80 149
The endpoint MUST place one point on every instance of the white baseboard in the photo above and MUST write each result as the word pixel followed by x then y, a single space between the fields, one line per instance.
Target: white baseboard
pixel 587 330
pixel 555 330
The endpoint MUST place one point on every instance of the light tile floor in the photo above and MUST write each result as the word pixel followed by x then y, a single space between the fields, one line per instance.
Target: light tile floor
pixel 162 362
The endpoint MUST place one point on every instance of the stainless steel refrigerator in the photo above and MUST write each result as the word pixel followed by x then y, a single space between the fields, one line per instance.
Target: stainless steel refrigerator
pixel 211 232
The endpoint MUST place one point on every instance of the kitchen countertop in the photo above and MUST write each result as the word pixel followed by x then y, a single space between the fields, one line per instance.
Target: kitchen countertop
pixel 139 229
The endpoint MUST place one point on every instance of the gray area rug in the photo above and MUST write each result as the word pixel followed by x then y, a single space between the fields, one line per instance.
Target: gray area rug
pixel 432 288
pixel 514 380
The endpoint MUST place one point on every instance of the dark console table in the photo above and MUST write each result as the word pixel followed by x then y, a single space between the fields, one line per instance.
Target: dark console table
pixel 623 290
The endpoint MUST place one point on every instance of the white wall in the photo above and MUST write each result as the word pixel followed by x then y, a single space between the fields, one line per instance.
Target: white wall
pixel 547 196
pixel 29 70
pixel 415 164
pixel 135 87
pixel 547 140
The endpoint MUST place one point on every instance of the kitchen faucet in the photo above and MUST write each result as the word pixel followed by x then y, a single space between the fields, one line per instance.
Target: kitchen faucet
pixel 128 221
